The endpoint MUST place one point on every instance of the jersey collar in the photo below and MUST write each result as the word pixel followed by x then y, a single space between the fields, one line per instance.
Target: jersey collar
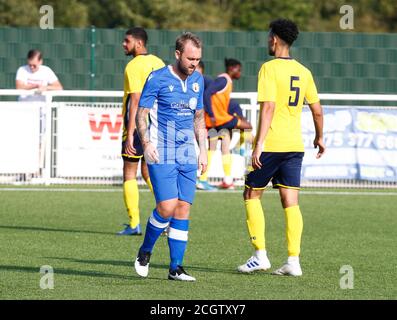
pixel 183 83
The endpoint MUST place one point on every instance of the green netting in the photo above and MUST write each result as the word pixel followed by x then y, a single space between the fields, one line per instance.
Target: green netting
pixel 342 62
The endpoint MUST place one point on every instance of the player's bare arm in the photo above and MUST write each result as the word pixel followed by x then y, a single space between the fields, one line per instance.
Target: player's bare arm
pixel 317 113
pixel 151 153
pixel 133 108
pixel 201 135
pixel 265 120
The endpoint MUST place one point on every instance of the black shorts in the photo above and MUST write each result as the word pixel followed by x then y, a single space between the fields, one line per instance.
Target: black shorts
pixel 282 168
pixel 220 131
pixel 138 147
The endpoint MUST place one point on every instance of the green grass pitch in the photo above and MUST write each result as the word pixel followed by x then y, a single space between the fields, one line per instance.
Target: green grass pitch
pixel 74 232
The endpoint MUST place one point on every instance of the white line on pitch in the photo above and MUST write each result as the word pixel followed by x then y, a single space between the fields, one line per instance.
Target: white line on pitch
pixel 347 193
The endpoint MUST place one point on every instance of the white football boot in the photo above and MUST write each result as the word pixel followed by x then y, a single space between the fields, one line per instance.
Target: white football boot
pixel 180 274
pixel 255 264
pixel 290 268
pixel 142 263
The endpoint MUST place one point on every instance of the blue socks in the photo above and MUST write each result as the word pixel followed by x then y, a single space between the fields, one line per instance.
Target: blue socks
pixel 177 236
pixel 155 226
pixel 177 241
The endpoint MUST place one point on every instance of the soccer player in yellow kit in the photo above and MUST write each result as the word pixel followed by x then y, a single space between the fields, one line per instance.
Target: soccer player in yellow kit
pixel 136 72
pixel 283 84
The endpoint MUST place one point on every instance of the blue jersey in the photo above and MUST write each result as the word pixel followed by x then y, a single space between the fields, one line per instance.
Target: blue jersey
pixel 173 103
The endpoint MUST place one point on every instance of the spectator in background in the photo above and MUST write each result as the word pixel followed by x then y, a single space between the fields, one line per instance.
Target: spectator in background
pixel 34 75
pixel 221 118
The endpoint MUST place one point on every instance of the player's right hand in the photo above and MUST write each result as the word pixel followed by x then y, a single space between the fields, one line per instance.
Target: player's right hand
pixel 151 154
pixel 203 162
pixel 129 147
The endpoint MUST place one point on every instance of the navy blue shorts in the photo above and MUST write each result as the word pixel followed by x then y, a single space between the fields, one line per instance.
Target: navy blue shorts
pixel 282 168
pixel 220 131
pixel 172 181
pixel 235 109
pixel 138 147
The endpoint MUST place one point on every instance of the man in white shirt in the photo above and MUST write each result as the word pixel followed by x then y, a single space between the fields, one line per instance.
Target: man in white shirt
pixel 34 75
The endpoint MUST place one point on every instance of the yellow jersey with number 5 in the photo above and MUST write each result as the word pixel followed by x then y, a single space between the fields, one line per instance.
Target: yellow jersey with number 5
pixel 287 83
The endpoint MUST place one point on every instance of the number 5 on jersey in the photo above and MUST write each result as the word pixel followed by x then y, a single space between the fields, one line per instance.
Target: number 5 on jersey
pixel 294 103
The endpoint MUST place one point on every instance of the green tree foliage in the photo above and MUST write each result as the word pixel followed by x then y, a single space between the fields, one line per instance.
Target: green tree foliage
pixel 67 13
pixel 311 15
pixel 14 14
pixel 256 14
pixel 157 14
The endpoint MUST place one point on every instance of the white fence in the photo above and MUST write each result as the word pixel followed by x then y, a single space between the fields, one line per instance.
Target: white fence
pixel 62 142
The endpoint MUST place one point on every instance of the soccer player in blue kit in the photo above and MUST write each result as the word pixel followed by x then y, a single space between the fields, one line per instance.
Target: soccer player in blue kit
pixel 172 99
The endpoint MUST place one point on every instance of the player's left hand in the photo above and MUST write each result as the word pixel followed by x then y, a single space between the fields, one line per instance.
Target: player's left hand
pixel 202 162
pixel 256 155
pixel 318 142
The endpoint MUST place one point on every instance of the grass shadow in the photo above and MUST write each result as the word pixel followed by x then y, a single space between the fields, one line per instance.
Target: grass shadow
pixel 116 263
pixel 130 263
pixel 47 229
pixel 71 272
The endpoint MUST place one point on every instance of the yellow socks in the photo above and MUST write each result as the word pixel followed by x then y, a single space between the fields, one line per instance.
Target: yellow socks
pixel 131 200
pixel 294 227
pixel 255 223
pixel 256 226
pixel 227 164
pixel 204 176
pixel 149 184
pixel 245 135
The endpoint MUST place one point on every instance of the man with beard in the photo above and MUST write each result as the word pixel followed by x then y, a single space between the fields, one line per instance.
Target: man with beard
pixel 173 100
pixel 136 72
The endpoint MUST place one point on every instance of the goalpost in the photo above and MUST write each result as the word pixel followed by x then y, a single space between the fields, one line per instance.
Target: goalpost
pixel 74 137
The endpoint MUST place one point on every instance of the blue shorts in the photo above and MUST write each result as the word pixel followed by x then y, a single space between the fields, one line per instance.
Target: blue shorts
pixel 172 181
pixel 282 168
pixel 138 147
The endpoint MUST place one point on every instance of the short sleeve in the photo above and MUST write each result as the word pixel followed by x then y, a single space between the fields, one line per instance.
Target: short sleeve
pixel 200 103
pixel 51 76
pixel 267 88
pixel 311 95
pixel 150 91
pixel 135 79
pixel 21 74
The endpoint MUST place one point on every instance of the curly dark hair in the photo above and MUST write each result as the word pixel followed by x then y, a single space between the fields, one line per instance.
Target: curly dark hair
pixel 138 33
pixel 231 63
pixel 284 29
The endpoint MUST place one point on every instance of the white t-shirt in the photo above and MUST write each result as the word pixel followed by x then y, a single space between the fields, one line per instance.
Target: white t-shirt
pixel 43 77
